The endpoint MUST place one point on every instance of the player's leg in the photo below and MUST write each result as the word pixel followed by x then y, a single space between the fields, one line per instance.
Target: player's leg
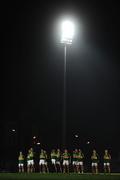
pixel 67 166
pixel 47 169
pixel 96 168
pixel 32 166
pixel 78 168
pixel 42 170
pixel 40 166
pixel 108 167
pixel 81 167
pixel 63 166
pixel 60 168
pixel 105 168
pixel 28 166
pixel 73 164
pixel 75 167
pixel 58 165
pixel 55 168
pixel 22 168
pixel 54 164
pixel 93 168
pixel 43 166
pixel 19 168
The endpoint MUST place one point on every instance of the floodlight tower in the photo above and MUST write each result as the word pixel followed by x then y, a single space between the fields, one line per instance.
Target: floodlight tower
pixel 66 38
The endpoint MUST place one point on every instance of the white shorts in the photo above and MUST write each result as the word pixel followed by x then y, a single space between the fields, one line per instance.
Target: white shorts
pixel 65 162
pixel 42 162
pixel 74 163
pixel 80 163
pixel 30 162
pixel 107 164
pixel 20 165
pixel 94 164
pixel 53 161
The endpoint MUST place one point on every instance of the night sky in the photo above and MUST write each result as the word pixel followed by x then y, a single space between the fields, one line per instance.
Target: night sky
pixel 33 68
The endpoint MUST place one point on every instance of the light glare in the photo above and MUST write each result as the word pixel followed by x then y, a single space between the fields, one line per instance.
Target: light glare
pixel 67 32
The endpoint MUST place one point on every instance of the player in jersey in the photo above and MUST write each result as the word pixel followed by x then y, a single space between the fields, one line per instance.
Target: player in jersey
pixel 66 161
pixel 42 161
pixel 95 160
pixel 58 160
pixel 30 160
pixel 74 162
pixel 21 162
pixel 80 157
pixel 46 164
pixel 53 159
pixel 107 159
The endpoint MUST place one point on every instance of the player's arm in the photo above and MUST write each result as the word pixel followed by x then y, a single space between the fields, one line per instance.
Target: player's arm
pixel 110 156
pixel 83 156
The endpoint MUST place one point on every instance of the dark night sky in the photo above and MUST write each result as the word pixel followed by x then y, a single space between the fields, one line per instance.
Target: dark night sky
pixel 33 74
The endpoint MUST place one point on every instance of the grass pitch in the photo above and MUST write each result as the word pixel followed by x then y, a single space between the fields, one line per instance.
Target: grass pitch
pixel 53 176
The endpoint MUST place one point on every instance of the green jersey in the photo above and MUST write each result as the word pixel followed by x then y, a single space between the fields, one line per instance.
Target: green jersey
pixel 42 155
pixel 107 158
pixel 94 158
pixel 58 156
pixel 75 156
pixel 21 159
pixel 66 156
pixel 31 155
pixel 28 157
pixel 80 156
pixel 53 155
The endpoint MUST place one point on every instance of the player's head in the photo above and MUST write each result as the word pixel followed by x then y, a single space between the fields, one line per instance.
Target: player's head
pixel 94 151
pixel 76 150
pixel 106 151
pixel 44 151
pixel 20 152
pixel 29 151
pixel 65 150
pixel 79 150
pixel 58 150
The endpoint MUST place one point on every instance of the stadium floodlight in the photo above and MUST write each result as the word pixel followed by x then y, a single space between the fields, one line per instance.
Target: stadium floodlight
pixel 34 137
pixel 13 130
pixel 67 32
pixel 76 136
pixel 88 142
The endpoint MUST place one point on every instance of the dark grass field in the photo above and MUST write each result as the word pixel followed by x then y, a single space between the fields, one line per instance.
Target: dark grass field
pixel 51 176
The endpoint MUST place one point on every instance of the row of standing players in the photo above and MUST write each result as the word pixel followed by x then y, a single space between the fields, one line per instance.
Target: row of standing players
pixel 61 161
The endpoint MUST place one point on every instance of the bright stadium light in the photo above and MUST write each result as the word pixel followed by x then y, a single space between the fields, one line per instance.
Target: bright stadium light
pixel 88 142
pixel 13 130
pixel 76 136
pixel 67 32
pixel 34 137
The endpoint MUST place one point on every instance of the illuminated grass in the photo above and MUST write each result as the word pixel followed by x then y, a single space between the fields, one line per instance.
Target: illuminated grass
pixel 53 176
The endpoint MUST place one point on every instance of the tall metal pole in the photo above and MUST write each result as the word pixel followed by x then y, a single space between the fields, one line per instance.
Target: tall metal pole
pixel 64 138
